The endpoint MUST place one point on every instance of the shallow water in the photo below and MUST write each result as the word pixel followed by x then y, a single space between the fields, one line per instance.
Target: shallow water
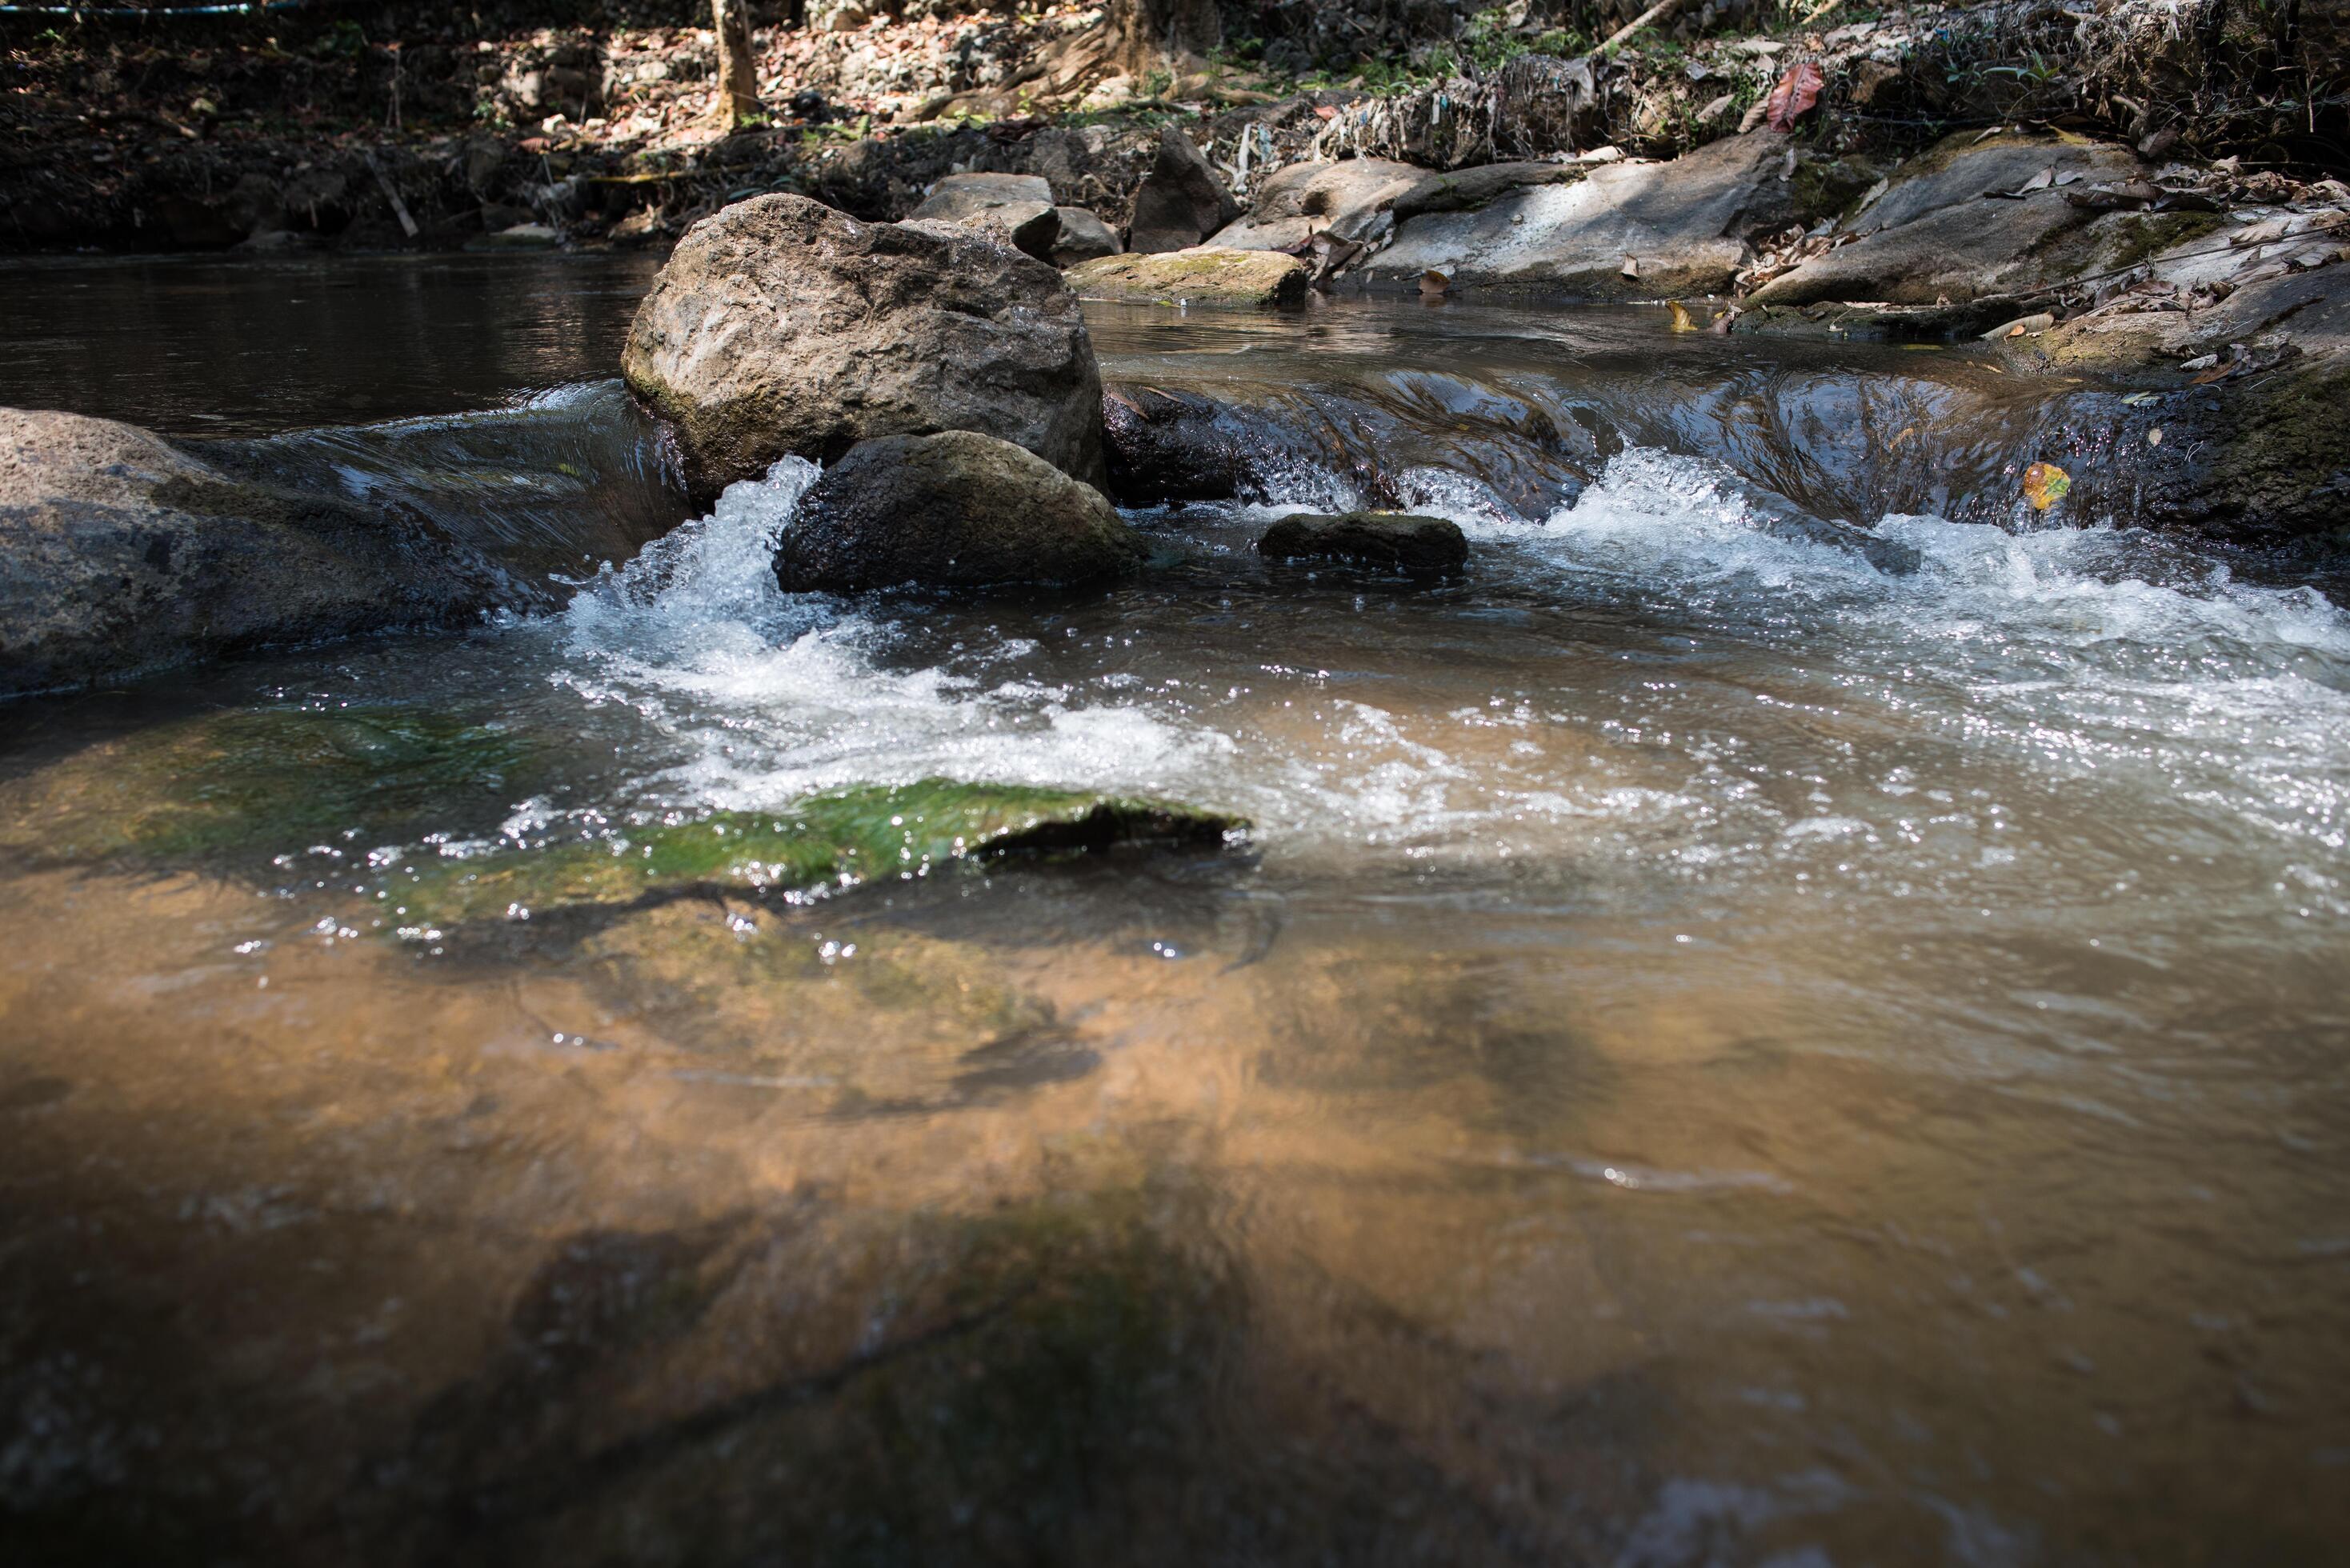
pixel 1764 1023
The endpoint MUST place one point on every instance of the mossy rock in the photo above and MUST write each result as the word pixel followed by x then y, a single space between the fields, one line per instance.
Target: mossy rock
pixel 271 779
pixel 831 840
pixel 1204 274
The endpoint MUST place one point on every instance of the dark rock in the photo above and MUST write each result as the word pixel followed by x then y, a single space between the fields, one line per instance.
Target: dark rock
pixel 1394 541
pixel 1181 202
pixel 2256 449
pixel 780 327
pixel 1165 446
pixel 957 509
pixel 1083 238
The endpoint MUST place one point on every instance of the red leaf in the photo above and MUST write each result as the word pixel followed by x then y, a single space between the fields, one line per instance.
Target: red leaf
pixel 1793 98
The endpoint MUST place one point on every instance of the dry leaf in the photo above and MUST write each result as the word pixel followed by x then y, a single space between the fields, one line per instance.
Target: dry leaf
pixel 1434 283
pixel 1323 111
pixel 2044 485
pixel 1682 320
pixel 1793 98
pixel 2154 436
pixel 1631 267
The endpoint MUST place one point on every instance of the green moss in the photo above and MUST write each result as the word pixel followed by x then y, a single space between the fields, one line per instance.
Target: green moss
pixel 835 839
pixel 2151 233
pixel 271 778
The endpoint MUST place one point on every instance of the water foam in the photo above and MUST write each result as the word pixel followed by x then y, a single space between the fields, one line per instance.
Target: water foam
pixel 769 694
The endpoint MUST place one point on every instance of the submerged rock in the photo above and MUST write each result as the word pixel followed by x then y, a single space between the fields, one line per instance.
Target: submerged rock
pixel 1017 207
pixel 1181 202
pixel 958 509
pixel 781 327
pixel 1205 274
pixel 252 782
pixel 822 842
pixel 119 550
pixel 1394 541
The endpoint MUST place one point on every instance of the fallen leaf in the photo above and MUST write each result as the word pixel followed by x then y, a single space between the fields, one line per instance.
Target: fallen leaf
pixel 1682 320
pixel 1323 111
pixel 1434 283
pixel 2154 436
pixel 2200 362
pixel 2044 485
pixel 2216 373
pixel 1631 267
pixel 2139 399
pixel 1793 98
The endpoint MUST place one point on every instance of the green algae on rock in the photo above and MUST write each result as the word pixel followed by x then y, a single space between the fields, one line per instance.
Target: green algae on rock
pixel 271 779
pixel 835 839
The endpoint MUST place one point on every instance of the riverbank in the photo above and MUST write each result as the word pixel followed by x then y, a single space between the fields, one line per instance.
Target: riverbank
pixel 405 130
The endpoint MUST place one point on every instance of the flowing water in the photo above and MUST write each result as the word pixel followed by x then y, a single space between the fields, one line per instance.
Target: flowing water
pixel 1794 1015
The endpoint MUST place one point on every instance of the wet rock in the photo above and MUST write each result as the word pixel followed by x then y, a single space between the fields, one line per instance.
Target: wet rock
pixel 1083 238
pixel 1968 217
pixel 1392 541
pixel 832 840
pixel 1205 274
pixel 780 327
pixel 1017 208
pixel 1165 446
pixel 957 509
pixel 1181 202
pixel 1624 230
pixel 119 550
pixel 2254 446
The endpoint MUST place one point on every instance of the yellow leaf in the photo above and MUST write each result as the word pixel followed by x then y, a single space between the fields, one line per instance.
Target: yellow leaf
pixel 1682 320
pixel 2045 484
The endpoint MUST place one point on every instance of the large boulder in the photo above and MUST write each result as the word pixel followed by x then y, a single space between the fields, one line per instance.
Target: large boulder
pixel 1625 230
pixel 1968 217
pixel 952 510
pixel 120 552
pixel 1017 208
pixel 1181 202
pixel 782 328
pixel 1205 274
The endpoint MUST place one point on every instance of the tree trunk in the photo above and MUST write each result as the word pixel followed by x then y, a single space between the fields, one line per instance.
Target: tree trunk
pixel 1165 34
pixel 738 77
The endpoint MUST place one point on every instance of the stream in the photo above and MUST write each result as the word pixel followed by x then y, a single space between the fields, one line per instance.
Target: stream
pixel 1794 1015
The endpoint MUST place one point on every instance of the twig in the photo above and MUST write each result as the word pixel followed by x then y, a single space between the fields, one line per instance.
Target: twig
pixel 1656 13
pixel 398 207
